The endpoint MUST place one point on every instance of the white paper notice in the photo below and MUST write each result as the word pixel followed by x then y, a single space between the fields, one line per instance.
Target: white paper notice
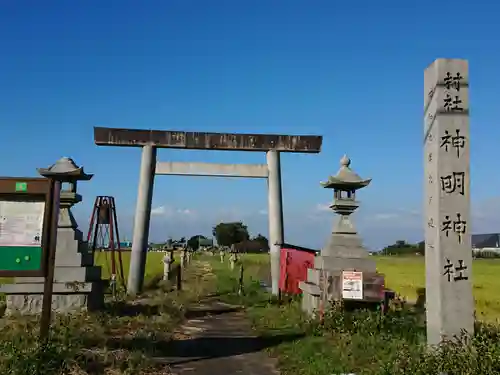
pixel 352 285
pixel 21 223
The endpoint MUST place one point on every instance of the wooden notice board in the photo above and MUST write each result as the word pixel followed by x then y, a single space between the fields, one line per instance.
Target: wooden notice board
pixel 25 223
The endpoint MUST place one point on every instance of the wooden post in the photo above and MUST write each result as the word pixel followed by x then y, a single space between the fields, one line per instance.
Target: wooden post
pixel 240 284
pixel 49 277
pixel 179 277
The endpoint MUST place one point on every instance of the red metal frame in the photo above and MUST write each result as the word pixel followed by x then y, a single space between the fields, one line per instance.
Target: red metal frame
pixel 105 205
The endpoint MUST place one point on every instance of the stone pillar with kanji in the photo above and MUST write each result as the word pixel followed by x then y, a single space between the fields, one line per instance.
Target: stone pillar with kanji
pixel 448 251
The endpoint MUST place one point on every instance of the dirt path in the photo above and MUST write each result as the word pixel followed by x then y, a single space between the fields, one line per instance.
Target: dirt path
pixel 217 339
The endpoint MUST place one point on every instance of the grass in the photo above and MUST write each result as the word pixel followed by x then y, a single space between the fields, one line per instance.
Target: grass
pixel 123 339
pixel 127 337
pixel 361 342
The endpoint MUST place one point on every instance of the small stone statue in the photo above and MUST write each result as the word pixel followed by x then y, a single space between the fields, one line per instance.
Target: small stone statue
pixel 233 258
pixel 168 260
pixel 184 257
pixel 188 255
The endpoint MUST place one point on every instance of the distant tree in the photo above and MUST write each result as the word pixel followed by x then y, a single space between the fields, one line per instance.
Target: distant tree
pixel 401 247
pixel 228 234
pixel 262 240
pixel 194 242
pixel 251 246
pixel 258 244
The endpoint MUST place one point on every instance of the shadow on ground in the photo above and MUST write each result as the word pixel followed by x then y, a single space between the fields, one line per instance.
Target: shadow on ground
pixel 201 348
pixel 200 312
pixel 123 308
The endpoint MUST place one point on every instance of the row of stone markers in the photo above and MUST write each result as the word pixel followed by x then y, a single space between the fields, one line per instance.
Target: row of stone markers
pixel 169 261
pixel 233 258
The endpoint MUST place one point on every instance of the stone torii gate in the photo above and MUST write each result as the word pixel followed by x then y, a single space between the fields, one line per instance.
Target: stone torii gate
pixel 151 140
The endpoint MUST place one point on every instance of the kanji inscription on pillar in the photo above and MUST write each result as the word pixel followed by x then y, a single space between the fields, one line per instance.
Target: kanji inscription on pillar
pixel 448 253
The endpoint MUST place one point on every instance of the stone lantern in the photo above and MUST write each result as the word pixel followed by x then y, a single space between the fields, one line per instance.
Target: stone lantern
pixel 344 241
pixel 344 250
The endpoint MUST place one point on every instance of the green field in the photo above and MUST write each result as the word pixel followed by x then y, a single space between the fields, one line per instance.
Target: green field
pixel 403 274
pixel 407 274
pixel 154 264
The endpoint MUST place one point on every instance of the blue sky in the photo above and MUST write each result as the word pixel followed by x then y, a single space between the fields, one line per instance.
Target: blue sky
pixel 350 71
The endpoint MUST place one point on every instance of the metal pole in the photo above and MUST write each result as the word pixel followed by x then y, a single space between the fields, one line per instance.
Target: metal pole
pixel 276 232
pixel 120 258
pixel 49 277
pixel 141 221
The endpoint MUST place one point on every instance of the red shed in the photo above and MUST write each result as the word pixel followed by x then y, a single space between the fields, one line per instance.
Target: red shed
pixel 295 261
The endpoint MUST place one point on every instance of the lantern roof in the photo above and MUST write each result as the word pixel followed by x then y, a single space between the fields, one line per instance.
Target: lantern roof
pixel 65 169
pixel 346 178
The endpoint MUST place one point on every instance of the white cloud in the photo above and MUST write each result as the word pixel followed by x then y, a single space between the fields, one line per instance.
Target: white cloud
pixel 262 212
pixel 166 211
pixel 386 216
pixel 158 211
pixel 400 214
pixel 185 211
pixel 322 207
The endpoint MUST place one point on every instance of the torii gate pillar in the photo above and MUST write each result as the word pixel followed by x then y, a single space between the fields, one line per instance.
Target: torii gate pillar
pixel 275 214
pixel 140 240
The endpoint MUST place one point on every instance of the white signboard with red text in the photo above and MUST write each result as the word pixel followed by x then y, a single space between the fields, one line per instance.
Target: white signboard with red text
pixel 352 285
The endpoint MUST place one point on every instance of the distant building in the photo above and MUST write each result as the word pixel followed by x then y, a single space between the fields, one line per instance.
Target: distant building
pixel 486 245
pixel 486 241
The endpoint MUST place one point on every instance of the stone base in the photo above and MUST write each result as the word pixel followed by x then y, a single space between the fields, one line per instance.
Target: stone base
pixel 90 297
pixel 336 264
pixel 64 275
pixel 327 283
pixel 310 297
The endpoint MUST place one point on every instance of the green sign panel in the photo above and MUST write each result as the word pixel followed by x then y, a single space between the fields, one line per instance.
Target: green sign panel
pixel 20 258
pixel 21 186
pixel 21 234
